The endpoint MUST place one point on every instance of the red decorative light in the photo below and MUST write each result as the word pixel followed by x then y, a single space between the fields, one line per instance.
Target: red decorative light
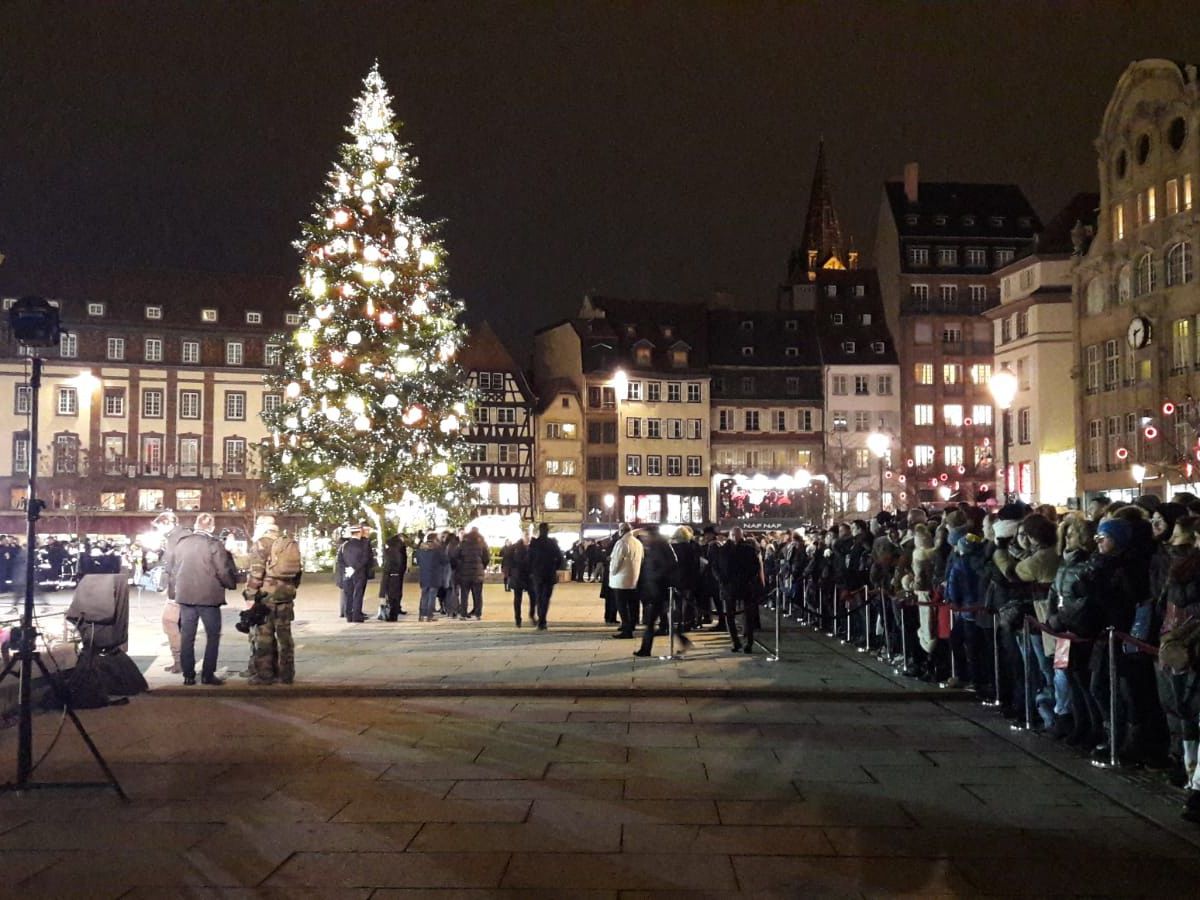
pixel 910 462
pixel 902 479
pixel 1151 432
pixel 943 477
pixel 1168 408
pixel 887 474
pixel 962 470
pixel 933 482
pixel 968 421
pixel 1122 453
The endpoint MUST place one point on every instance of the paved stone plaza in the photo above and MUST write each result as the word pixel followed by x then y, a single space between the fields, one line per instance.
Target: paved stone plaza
pixel 448 760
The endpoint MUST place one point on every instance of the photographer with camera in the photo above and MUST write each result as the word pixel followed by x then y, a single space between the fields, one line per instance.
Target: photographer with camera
pixel 275 571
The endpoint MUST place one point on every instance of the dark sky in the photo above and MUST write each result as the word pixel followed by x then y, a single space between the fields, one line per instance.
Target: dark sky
pixel 640 149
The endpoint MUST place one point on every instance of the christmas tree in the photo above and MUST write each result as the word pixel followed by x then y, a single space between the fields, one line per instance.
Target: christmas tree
pixel 373 401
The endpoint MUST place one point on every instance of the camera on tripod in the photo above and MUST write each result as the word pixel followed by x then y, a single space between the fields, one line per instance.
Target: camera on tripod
pixel 34 322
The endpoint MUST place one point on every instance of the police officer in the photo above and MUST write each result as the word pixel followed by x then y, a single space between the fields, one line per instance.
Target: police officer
pixel 275 570
pixel 354 567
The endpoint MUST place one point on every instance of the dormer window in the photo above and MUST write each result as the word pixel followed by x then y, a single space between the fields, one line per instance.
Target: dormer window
pixel 831 290
pixel 208 315
pixel 911 220
pixel 939 220
pixel 630 331
pixel 253 317
pixel 968 221
pixel 860 290
pixel 747 325
pixel 877 346
pixel 791 351
pixel 291 318
pixel 1025 222
pixel 642 356
pixel 792 325
pixel 95 309
pixel 997 221
pixel 679 359
pixel 747 351
pixel 153 312
pixel 866 318
pixel 668 331
pixel 837 318
pixel 847 346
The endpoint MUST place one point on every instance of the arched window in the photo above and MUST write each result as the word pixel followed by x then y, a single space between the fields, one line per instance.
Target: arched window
pixel 1097 294
pixel 1179 264
pixel 1145 274
pixel 1124 285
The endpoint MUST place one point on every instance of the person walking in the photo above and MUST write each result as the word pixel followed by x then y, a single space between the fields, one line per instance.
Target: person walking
pixel 433 565
pixel 391 583
pixel 659 573
pixel 355 566
pixel 473 560
pixel 743 583
pixel 545 559
pixel 167 525
pixel 518 579
pixel 624 570
pixel 203 571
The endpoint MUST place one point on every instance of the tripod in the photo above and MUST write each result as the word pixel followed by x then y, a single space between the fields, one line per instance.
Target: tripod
pixel 27 655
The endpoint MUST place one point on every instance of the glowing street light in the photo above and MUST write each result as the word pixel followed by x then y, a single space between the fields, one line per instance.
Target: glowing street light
pixel 1138 471
pixel 879 444
pixel 1003 386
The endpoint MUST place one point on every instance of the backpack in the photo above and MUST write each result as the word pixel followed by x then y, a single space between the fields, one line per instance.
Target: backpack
pixel 1179 649
pixel 284 560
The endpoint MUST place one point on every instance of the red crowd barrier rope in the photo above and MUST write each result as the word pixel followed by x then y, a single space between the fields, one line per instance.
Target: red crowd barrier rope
pixel 1142 646
pixel 1064 635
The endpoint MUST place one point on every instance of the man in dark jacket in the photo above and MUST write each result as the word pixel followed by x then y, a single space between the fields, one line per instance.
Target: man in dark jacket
pixel 202 571
pixel 473 560
pixel 658 573
pixel 742 582
pixel 167 525
pixel 545 559
pixel 355 566
pixel 391 584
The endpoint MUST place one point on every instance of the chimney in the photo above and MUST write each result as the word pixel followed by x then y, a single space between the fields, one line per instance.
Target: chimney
pixel 911 181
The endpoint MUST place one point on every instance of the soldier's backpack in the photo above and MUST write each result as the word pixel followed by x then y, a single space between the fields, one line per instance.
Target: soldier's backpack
pixel 284 560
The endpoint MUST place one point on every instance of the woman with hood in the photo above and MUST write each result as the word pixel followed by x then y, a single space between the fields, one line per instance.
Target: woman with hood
pixel 1068 612
pixel 964 583
pixel 1037 536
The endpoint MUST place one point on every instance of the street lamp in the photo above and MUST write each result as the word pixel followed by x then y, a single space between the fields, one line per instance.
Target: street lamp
pixel 878 443
pixel 609 500
pixel 1138 471
pixel 1003 386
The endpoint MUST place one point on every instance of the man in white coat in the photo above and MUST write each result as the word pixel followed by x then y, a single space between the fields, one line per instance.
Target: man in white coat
pixel 624 567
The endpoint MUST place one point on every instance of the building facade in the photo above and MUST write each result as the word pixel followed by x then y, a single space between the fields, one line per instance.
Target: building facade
pixel 1033 332
pixel 560 487
pixel 766 415
pixel 937 249
pixel 150 401
pixel 1136 297
pixel 501 435
pixel 861 384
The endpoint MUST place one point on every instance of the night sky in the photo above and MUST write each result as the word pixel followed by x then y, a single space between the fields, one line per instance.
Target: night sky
pixel 637 149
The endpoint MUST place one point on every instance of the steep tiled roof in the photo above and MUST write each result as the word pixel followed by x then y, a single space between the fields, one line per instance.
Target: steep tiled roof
pixel 834 338
pixel 1056 236
pixel 959 203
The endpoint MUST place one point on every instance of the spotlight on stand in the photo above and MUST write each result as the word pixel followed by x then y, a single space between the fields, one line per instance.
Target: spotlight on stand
pixel 34 322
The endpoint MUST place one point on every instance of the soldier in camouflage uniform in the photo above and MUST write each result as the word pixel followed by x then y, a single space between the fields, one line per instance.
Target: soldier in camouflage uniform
pixel 275 574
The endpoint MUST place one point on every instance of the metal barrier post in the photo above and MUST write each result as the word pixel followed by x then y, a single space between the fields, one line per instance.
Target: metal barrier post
pixel 866 608
pixel 775 657
pixel 950 647
pixel 995 701
pixel 670 625
pixel 903 667
pixel 832 619
pixel 1113 762
pixel 1025 654
pixel 847 640
pixel 887 632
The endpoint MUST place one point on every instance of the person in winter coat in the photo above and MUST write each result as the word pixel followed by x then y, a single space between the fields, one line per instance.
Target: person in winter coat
pixel 742 583
pixel 687 553
pixel 167 525
pixel 1037 569
pixel 658 574
pixel 353 568
pixel 920 583
pixel 1068 613
pixel 473 560
pixel 545 559
pixel 964 588
pixel 1179 691
pixel 202 571
pixel 391 582
pixel 434 566
pixel 624 570
pixel 448 597
pixel 518 578
pixel 1009 599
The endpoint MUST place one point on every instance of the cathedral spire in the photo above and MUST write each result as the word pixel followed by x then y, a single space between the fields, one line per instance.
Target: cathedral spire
pixel 821 245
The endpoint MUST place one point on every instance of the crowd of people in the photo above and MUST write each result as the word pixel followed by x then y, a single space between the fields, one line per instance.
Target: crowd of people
pixel 1025 607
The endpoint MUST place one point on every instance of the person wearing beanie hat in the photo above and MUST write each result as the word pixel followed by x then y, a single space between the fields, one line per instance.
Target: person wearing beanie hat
pixel 1116 532
pixel 1148 502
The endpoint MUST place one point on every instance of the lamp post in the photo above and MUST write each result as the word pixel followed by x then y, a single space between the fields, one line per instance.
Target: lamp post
pixel 609 500
pixel 1138 471
pixel 878 443
pixel 1003 386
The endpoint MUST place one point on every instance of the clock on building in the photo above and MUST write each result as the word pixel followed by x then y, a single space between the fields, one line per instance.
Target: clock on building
pixel 1138 333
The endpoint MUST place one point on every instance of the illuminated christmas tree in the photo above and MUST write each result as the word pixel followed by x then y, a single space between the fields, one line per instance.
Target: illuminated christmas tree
pixel 373 401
